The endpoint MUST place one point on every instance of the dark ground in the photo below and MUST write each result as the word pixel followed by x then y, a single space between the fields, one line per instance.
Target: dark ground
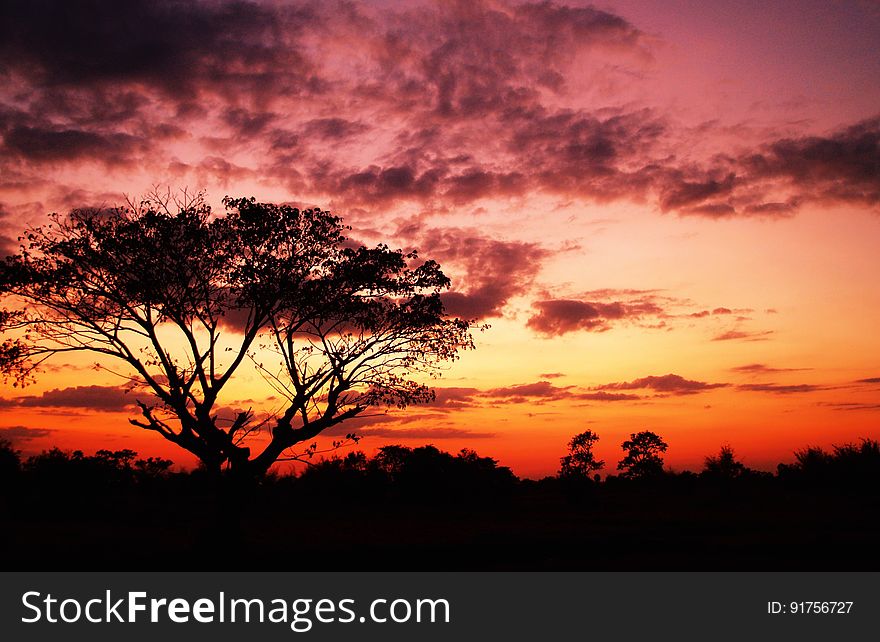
pixel 425 509
pixel 533 526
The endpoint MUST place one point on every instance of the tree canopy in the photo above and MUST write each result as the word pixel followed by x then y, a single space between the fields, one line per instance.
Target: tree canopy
pixel 724 465
pixel 644 455
pixel 581 462
pixel 182 298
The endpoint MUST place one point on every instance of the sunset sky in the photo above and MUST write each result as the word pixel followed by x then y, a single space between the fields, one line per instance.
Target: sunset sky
pixel 668 212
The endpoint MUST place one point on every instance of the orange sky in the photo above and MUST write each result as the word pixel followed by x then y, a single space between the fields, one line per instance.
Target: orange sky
pixel 668 212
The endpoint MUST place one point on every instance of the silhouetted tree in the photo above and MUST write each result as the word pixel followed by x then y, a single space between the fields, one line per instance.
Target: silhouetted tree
pixel 854 465
pixel 644 456
pixel 63 469
pixel 858 462
pixel 421 473
pixel 724 465
pixel 581 462
pixel 182 298
pixel 152 467
pixel 10 461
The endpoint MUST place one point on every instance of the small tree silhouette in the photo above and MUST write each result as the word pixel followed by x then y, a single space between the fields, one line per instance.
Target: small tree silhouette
pixel 580 462
pixel 724 465
pixel 644 456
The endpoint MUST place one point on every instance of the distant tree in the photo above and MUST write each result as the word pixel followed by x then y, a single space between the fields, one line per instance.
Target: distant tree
pixel 581 462
pixel 10 460
pixel 181 298
pixel 855 465
pixel 152 467
pixel 429 462
pixel 391 460
pixel 858 462
pixel 724 465
pixel 105 467
pixel 644 456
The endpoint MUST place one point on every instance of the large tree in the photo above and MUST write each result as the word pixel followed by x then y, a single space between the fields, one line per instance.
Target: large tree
pixel 183 299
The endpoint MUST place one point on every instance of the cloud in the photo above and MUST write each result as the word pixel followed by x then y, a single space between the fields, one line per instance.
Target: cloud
pixel 334 128
pixel 668 384
pixel 17 434
pixel 761 368
pixel 100 398
pixel 780 389
pixel 452 398
pixel 488 272
pixel 555 317
pixel 162 43
pixel 869 380
pixel 606 396
pixel 520 392
pixel 778 177
pixel 462 125
pixel 480 99
pixel 678 195
pixel 391 425
pixel 851 406
pixel 734 335
pixel 8 242
pixel 537 392
pixel 425 433
pixel 840 167
pixel 41 144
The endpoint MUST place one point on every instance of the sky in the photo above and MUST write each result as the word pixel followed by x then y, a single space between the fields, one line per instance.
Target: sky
pixel 667 212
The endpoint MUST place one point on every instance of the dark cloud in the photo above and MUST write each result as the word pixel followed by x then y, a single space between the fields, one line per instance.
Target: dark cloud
pixel 247 124
pixel 472 98
pixel 844 166
pixel 543 389
pixel 556 317
pixel 472 124
pixel 222 170
pixel 170 44
pixel 780 389
pixel 668 384
pixel 101 398
pixel 452 398
pixel 869 380
pixel 333 128
pixel 17 434
pixel 90 106
pixel 439 55
pixel 841 167
pixel 488 272
pixel 39 144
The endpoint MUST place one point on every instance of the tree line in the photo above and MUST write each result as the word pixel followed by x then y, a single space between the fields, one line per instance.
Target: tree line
pixel 427 469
